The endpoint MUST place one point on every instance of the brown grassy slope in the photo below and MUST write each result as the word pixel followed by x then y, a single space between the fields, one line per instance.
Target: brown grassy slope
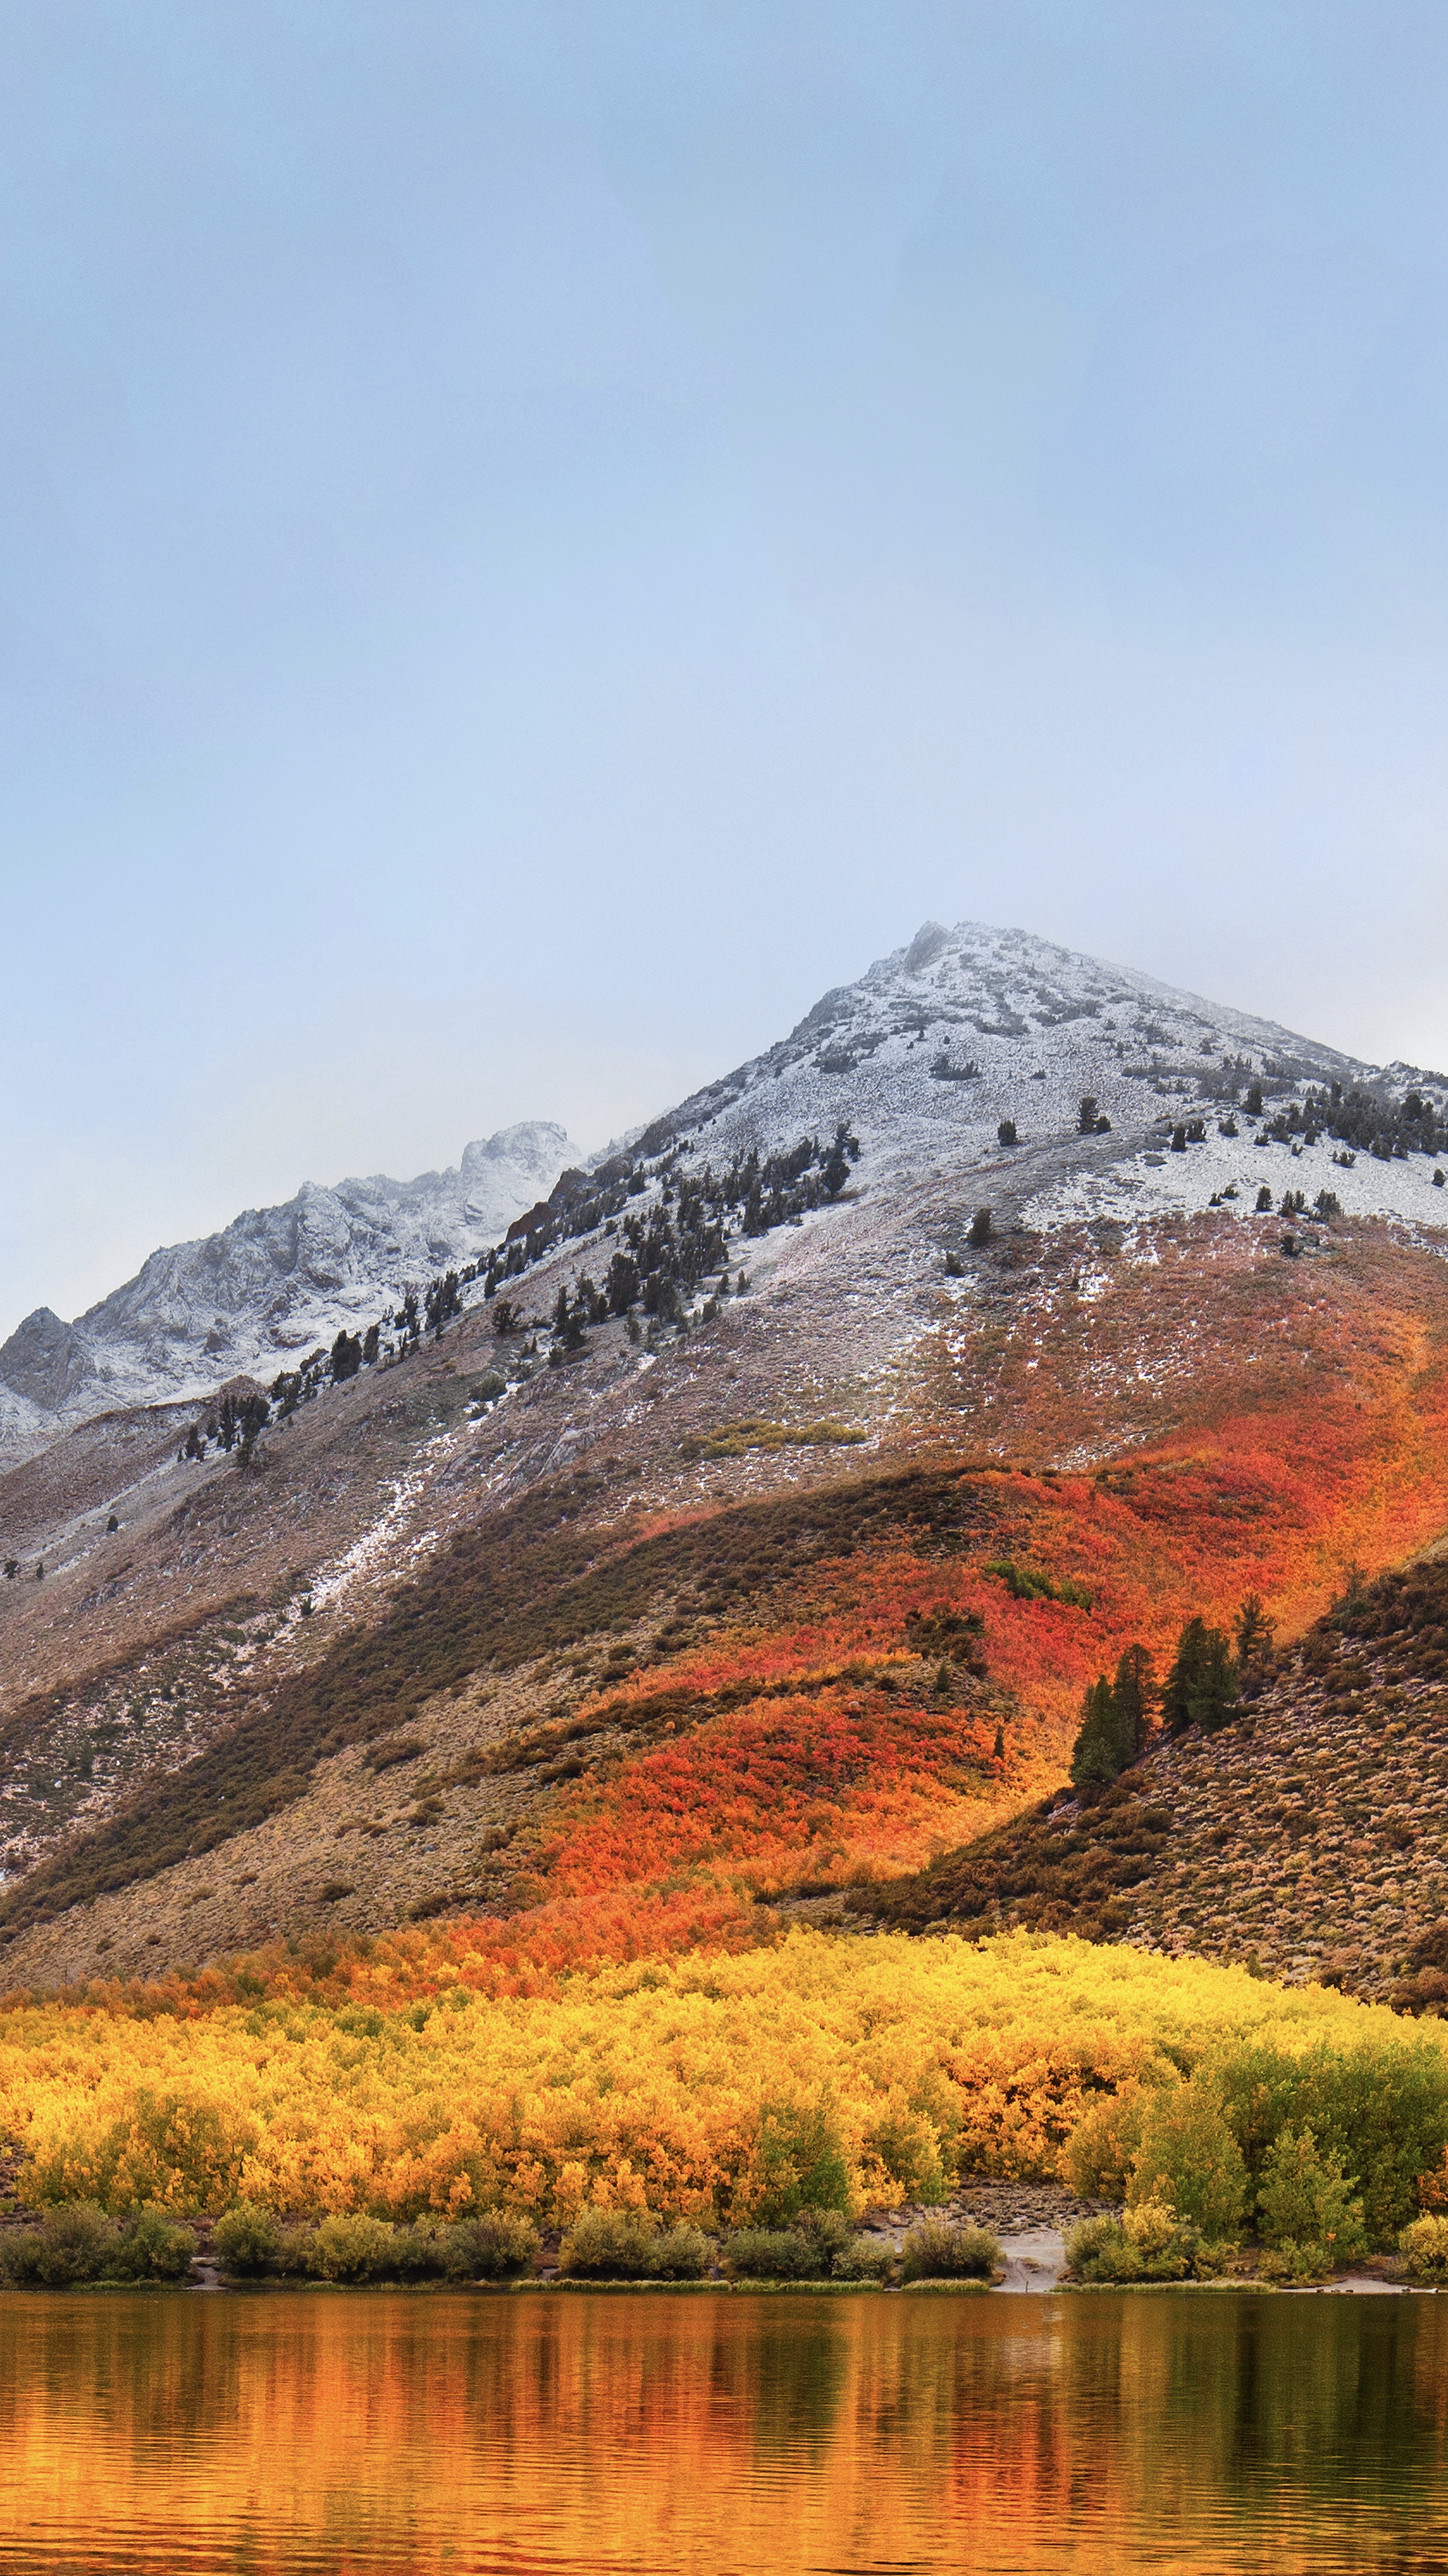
pixel 1309 1837
pixel 533 1582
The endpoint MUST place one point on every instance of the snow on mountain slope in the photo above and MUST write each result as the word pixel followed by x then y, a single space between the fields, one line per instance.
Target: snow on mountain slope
pixel 925 1057
pixel 937 1045
pixel 271 1285
pixel 966 1027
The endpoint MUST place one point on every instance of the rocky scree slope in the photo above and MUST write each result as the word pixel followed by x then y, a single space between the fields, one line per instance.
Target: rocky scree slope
pixel 270 1286
pixel 1307 1838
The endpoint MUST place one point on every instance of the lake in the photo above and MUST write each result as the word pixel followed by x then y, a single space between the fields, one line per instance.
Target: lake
pixel 320 2433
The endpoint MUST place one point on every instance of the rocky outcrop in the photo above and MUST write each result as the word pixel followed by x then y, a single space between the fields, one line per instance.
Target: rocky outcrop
pixel 270 1285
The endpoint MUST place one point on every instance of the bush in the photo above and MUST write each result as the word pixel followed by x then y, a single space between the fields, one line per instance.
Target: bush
pixel 864 2258
pixel 1424 2248
pixel 771 2254
pixel 153 2248
pixel 1100 2250
pixel 350 2246
pixel 74 2243
pixel 936 2251
pixel 1305 2208
pixel 821 2247
pixel 622 2245
pixel 826 2232
pixel 494 2248
pixel 1189 2159
pixel 249 2240
pixel 1150 2243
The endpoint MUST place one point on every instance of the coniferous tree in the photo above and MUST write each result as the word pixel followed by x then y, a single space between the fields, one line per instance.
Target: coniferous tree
pixel 981 1229
pixel 1006 1132
pixel 1133 1691
pixel 1087 1116
pixel 1095 1756
pixel 345 1358
pixel 251 1418
pixel 1202 1687
pixel 623 1283
pixel 1254 1639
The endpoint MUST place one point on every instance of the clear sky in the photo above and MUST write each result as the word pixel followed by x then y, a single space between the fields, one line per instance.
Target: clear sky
pixel 534 539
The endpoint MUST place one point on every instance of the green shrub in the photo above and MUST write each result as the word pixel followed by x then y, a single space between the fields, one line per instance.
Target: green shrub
pixel 771 2254
pixel 491 2248
pixel 350 2246
pixel 1188 2158
pixel 864 2258
pixel 1305 2206
pixel 76 2242
pixel 1100 2250
pixel 1149 2243
pixel 936 2251
pixel 1424 2248
pixel 249 2240
pixel 153 2247
pixel 623 2245
pixel 826 2232
pixel 821 2247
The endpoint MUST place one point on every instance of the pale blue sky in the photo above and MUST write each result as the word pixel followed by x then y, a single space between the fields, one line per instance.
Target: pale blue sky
pixel 535 539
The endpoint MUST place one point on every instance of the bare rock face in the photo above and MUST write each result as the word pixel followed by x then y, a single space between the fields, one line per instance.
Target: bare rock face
pixel 273 1283
pixel 45 1361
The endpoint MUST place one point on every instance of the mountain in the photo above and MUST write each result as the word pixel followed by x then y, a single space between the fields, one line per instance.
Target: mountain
pixel 754 1529
pixel 270 1286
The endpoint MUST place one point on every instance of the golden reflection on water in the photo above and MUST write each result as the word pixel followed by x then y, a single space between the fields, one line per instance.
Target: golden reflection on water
pixel 325 2434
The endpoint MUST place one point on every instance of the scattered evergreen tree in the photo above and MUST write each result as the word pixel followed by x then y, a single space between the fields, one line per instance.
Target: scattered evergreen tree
pixel 1202 1687
pixel 371 1341
pixel 345 1358
pixel 251 1419
pixel 195 1442
pixel 623 1283
pixel 981 1229
pixel 1096 1754
pixel 1254 1100
pixel 1006 1132
pixel 1254 1637
pixel 1114 1722
pixel 1178 1140
pixel 1264 1200
pixel 1087 1116
pixel 1133 1688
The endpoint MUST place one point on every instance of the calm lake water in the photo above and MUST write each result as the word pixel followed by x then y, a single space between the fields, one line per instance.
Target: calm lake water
pixel 320 2432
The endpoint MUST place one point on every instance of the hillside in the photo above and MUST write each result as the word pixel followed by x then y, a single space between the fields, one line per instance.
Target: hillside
pixel 747 1531
pixel 1308 1839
